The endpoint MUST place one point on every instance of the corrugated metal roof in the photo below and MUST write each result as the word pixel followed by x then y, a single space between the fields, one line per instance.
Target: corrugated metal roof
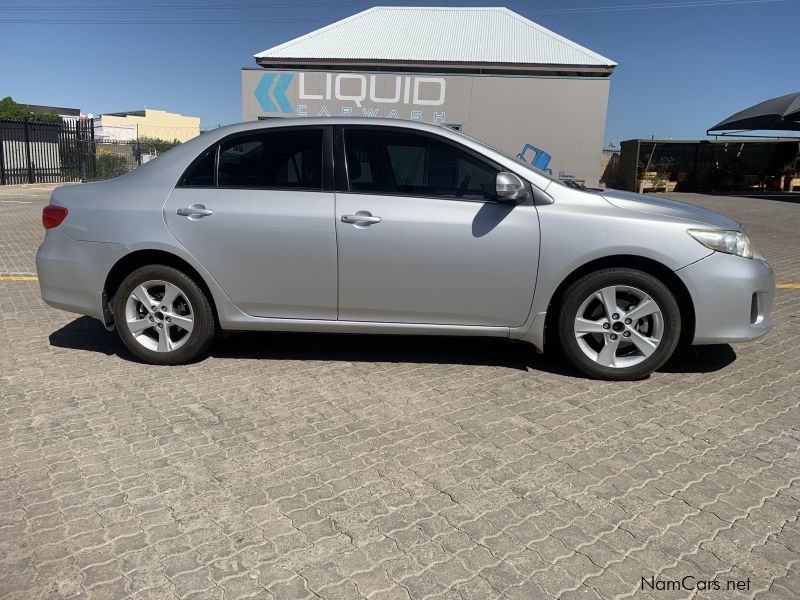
pixel 446 35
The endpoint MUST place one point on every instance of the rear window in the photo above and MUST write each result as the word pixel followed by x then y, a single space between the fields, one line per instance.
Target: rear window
pixel 272 159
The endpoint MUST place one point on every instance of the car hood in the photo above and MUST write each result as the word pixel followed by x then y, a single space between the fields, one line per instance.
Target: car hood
pixel 668 208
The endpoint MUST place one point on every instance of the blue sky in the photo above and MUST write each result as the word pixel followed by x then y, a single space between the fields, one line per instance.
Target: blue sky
pixel 680 71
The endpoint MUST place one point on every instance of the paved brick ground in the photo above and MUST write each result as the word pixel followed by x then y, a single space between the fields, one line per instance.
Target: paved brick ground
pixel 345 467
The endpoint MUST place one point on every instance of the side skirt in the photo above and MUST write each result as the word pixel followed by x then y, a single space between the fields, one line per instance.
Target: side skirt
pixel 324 326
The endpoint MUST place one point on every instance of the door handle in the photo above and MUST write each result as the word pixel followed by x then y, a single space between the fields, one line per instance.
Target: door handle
pixel 195 211
pixel 362 217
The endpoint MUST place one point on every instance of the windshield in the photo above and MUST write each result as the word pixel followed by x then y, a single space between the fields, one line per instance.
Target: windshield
pixel 546 174
pixel 536 170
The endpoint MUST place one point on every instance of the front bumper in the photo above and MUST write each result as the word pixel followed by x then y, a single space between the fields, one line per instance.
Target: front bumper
pixel 72 273
pixel 732 297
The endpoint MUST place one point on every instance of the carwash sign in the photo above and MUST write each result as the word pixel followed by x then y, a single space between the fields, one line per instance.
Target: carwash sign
pixel 320 94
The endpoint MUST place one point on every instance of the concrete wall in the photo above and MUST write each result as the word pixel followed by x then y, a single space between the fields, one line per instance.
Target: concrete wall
pixel 564 116
pixel 155 123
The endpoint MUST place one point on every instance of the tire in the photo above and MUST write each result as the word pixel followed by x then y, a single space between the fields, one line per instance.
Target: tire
pixel 616 346
pixel 177 335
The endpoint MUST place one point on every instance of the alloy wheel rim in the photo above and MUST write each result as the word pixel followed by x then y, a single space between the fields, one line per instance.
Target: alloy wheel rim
pixel 159 316
pixel 619 326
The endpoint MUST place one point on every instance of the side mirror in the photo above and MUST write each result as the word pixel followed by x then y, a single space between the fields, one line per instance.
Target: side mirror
pixel 509 187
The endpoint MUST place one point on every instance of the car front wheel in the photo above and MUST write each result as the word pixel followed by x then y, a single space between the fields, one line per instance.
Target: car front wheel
pixel 619 324
pixel 162 316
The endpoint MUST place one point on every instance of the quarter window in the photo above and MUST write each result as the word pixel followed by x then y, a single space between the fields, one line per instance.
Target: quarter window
pixel 272 159
pixel 201 173
pixel 380 161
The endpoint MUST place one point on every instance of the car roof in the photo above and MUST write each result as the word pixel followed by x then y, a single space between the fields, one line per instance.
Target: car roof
pixel 317 121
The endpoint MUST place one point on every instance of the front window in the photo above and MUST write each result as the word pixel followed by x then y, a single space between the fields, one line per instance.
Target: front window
pixel 401 163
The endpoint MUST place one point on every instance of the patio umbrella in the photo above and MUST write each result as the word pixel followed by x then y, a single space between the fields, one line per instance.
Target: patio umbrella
pixel 779 114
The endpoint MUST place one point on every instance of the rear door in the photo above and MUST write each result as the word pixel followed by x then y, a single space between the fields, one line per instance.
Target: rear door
pixel 422 238
pixel 257 210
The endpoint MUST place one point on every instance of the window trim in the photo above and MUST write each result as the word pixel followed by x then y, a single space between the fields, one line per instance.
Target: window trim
pixel 327 159
pixel 343 176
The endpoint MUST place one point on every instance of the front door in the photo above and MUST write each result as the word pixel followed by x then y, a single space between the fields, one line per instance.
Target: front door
pixel 422 238
pixel 263 224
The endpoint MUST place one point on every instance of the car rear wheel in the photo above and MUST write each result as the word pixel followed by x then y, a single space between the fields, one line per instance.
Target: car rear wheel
pixel 619 324
pixel 162 316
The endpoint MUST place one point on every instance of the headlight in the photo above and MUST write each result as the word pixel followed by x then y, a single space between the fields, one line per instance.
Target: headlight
pixel 730 242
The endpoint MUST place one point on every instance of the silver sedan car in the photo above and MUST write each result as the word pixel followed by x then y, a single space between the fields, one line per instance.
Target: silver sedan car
pixel 387 226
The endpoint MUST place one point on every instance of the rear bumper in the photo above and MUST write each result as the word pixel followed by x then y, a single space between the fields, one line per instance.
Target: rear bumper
pixel 732 297
pixel 72 273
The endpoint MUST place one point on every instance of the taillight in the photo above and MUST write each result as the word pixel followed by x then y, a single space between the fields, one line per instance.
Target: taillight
pixel 52 216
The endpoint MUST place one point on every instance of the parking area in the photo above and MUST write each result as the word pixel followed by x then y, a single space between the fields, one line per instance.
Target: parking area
pixel 310 466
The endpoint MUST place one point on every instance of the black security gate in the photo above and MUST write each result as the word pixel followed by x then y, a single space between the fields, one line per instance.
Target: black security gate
pixel 45 152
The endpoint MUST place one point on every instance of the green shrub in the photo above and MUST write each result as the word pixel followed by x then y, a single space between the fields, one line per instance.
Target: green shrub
pixel 110 165
pixel 151 145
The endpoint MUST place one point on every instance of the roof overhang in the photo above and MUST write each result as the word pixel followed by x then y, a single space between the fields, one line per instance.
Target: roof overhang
pixel 435 66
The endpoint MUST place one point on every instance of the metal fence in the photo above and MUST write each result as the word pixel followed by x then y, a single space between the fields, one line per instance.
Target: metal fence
pixel 51 152
pixel 115 157
pixel 43 152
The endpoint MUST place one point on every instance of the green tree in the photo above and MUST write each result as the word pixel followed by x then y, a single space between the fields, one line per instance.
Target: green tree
pixel 13 110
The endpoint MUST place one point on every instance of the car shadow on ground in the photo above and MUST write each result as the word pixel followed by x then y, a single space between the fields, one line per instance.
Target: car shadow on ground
pixel 778 196
pixel 700 359
pixel 88 334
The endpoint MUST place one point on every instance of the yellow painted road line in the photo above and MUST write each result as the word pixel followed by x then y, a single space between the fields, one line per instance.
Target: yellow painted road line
pixel 788 286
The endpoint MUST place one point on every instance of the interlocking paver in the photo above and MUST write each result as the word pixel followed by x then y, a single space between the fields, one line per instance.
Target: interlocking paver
pixel 390 468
